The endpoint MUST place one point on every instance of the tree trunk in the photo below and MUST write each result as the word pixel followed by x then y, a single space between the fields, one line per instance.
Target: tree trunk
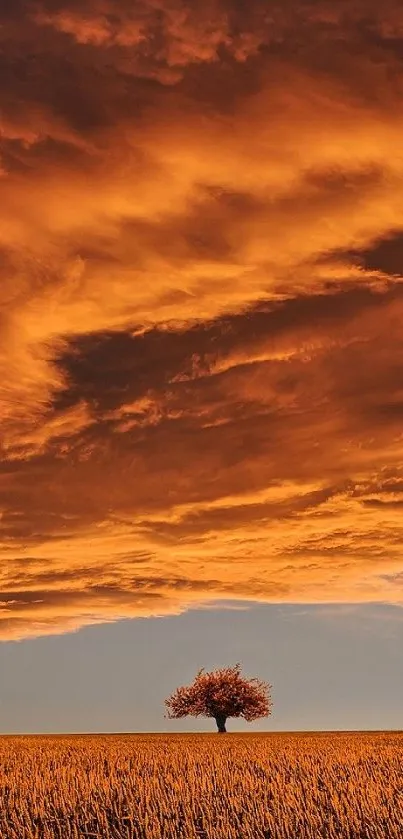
pixel 221 720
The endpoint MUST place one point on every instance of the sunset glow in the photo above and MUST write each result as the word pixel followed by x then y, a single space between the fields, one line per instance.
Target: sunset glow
pixel 201 307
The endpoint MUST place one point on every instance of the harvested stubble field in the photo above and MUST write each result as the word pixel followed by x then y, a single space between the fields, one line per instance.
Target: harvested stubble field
pixel 236 786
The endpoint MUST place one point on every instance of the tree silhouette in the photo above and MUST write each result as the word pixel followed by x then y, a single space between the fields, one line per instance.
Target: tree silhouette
pixel 221 694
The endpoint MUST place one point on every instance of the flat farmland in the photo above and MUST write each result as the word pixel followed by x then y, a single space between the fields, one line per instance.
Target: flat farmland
pixel 202 786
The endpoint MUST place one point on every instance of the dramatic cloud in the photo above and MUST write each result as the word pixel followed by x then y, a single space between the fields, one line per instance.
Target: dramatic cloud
pixel 201 299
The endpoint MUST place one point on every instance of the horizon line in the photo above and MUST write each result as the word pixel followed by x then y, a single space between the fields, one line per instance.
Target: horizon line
pixel 198 733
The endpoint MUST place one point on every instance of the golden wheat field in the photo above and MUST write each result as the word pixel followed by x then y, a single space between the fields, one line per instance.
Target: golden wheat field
pixel 240 786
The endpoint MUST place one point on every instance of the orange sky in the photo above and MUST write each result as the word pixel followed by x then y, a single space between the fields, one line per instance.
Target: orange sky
pixel 201 303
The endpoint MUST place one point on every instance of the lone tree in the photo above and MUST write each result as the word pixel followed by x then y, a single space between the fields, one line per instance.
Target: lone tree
pixel 221 694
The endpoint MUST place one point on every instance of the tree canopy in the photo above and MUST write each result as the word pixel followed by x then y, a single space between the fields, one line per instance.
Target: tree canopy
pixel 221 694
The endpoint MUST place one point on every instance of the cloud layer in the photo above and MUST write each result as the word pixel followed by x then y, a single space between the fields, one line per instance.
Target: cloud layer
pixel 201 298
